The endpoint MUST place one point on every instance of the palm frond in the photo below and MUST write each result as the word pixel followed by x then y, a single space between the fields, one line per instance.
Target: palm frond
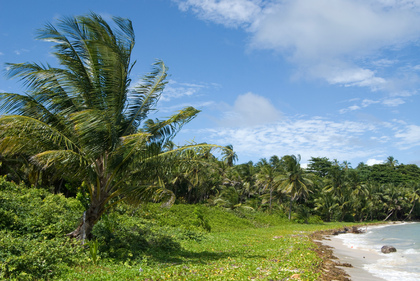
pixel 145 95
pixel 166 130
pixel 66 162
pixel 23 127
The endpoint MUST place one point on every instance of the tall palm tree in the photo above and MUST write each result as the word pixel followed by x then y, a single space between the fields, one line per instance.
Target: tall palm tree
pixel 391 162
pixel 230 157
pixel 267 179
pixel 85 120
pixel 413 195
pixel 296 182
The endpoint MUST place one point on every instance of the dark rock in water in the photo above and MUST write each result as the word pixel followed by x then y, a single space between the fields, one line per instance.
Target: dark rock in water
pixel 388 249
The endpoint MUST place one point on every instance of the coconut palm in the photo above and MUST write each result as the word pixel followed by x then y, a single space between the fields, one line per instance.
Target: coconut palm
pixel 391 162
pixel 413 195
pixel 230 157
pixel 86 120
pixel 267 179
pixel 296 182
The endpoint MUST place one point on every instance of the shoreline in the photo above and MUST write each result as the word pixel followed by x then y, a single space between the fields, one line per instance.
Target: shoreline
pixel 340 262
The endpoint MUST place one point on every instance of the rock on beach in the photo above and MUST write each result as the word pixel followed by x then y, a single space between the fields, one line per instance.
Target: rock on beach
pixel 388 249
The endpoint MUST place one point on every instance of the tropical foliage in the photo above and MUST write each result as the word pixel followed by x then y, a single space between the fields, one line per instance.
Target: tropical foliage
pixel 84 121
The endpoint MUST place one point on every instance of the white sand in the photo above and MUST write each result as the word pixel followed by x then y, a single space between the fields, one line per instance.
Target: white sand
pixel 356 257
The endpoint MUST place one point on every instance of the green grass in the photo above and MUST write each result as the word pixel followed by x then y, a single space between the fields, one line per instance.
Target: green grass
pixel 149 242
pixel 272 253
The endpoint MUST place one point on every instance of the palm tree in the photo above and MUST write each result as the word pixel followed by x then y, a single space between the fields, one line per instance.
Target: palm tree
pixel 268 179
pixel 85 120
pixel 296 182
pixel 413 195
pixel 391 162
pixel 230 157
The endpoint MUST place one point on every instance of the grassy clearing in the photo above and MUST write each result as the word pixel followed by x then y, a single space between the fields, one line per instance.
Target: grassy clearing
pixel 185 242
pixel 272 253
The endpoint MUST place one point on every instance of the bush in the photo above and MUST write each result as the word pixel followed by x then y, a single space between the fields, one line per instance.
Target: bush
pixel 23 257
pixel 32 240
pixel 123 237
pixel 36 211
pixel 315 220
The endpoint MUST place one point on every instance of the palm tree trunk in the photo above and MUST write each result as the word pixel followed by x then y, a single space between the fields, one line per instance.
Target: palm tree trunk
pixel 290 209
pixel 389 214
pixel 271 197
pixel 89 219
pixel 412 208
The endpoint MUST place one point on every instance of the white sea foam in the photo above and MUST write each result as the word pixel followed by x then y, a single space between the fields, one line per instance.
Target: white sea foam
pixel 402 265
pixel 391 274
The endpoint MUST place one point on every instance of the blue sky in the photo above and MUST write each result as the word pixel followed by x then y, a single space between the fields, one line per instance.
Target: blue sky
pixel 324 78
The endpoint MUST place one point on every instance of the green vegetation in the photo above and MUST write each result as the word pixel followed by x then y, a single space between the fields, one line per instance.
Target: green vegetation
pixel 88 162
pixel 149 242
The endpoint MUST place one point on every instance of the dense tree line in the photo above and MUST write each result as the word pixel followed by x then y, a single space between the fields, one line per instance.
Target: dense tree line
pixel 329 190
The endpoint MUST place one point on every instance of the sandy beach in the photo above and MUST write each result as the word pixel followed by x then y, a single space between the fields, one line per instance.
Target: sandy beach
pixel 357 258
pixel 341 262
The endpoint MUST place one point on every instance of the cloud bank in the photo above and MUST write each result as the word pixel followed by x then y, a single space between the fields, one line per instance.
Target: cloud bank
pixel 339 41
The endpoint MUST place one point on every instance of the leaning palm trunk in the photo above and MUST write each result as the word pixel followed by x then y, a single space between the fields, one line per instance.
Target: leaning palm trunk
pixel 88 221
pixel 390 214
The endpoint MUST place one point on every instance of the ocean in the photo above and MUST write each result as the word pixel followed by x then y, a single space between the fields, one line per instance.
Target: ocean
pixel 404 265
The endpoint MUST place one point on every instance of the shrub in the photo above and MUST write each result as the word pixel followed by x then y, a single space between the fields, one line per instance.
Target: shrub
pixel 123 237
pixel 23 257
pixel 315 219
pixel 32 240
pixel 36 211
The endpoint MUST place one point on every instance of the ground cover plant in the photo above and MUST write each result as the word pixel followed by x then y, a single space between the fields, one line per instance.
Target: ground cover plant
pixel 272 253
pixel 149 242
pixel 32 224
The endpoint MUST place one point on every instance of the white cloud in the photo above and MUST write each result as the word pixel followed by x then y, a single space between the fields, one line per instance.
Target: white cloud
pixel 250 110
pixel 390 102
pixel 403 93
pixel 367 102
pixel 350 108
pixel 409 136
pixel 227 12
pixel 174 90
pixel 384 62
pixel 308 137
pixel 325 39
pixel 341 73
pixel 372 162
pixel 393 102
pixel 332 28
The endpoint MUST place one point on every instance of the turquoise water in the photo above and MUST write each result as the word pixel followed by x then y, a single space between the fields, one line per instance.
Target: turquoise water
pixel 404 265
